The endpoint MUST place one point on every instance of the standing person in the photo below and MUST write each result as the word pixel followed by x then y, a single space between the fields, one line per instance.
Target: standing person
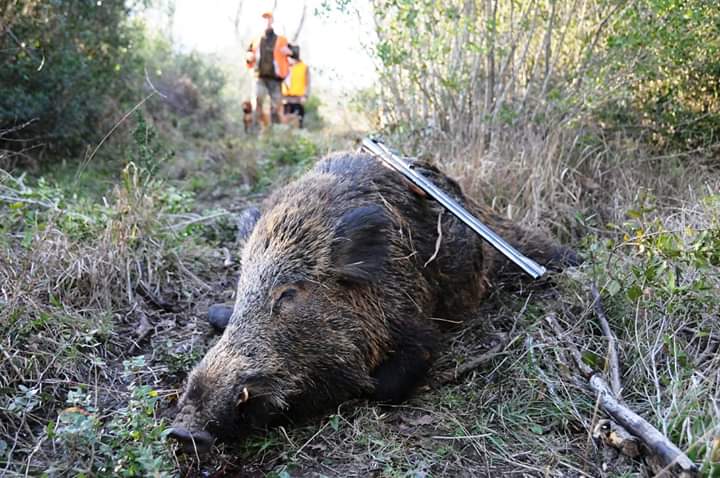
pixel 268 56
pixel 296 87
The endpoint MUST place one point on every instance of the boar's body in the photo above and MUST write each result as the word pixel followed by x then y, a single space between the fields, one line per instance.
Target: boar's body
pixel 344 276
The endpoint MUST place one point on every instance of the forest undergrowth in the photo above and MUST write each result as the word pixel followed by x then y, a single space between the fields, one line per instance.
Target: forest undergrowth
pixel 120 185
pixel 103 303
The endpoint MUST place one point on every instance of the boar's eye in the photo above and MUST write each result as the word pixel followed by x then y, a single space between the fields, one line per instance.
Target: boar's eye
pixel 284 299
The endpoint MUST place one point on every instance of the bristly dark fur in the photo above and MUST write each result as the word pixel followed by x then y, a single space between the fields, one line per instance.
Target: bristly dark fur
pixel 341 275
pixel 359 248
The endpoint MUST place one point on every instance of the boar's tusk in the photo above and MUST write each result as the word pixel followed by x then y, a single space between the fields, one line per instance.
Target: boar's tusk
pixel 244 397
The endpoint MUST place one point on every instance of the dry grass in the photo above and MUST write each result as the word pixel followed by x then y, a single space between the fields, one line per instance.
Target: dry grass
pixel 77 287
pixel 72 311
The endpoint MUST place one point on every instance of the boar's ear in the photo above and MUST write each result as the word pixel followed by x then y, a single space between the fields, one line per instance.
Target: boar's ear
pixel 246 223
pixel 360 247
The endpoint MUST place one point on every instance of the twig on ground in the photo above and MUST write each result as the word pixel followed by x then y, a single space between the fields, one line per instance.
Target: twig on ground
pixel 144 291
pixel 613 360
pixel 671 457
pixel 144 329
pixel 195 220
pixel 227 262
pixel 471 365
pixel 585 369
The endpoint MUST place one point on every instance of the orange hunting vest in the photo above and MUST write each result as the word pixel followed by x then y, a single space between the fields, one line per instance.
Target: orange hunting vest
pixel 296 82
pixel 280 61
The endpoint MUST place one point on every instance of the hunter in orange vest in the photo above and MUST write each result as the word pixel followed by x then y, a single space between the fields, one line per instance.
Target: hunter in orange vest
pixel 268 56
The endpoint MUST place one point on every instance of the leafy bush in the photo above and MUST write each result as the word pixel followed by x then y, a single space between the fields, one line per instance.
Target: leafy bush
pixel 286 152
pixel 313 120
pixel 668 53
pixel 477 70
pixel 67 65
pixel 471 70
pixel 131 443
pixel 70 271
pixel 192 86
pixel 659 277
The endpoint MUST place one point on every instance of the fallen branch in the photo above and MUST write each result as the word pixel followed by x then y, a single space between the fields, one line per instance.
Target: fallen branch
pixel 673 460
pixel 671 457
pixel 612 434
pixel 159 303
pixel 472 365
pixel 613 361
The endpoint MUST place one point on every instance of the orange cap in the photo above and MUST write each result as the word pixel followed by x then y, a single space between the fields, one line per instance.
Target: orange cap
pixel 267 14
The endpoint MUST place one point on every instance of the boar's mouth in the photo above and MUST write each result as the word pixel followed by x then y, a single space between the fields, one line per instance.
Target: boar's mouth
pixel 192 442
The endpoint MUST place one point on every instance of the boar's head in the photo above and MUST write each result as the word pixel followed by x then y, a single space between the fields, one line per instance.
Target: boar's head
pixel 307 326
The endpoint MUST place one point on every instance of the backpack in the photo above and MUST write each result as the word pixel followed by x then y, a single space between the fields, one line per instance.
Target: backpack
pixel 266 64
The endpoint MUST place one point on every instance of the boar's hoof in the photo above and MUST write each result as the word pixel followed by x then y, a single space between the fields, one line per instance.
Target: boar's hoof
pixel 219 316
pixel 199 442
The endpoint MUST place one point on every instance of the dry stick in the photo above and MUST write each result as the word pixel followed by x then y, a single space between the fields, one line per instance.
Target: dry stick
pixel 300 24
pixel 614 362
pixel 655 441
pixel 438 241
pixel 144 291
pixel 121 121
pixel 473 364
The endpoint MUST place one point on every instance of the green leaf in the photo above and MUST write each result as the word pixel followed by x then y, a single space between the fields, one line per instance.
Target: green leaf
pixel 536 429
pixel 613 288
pixel 334 422
pixel 634 214
pixel 634 292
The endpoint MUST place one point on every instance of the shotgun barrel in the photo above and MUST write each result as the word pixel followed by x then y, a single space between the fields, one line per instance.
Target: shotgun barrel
pixel 379 150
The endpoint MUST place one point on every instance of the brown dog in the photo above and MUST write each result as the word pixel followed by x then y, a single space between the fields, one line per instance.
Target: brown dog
pixel 247 116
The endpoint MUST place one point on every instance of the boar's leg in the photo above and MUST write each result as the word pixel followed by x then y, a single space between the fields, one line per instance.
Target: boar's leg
pixel 219 316
pixel 397 377
pixel 246 223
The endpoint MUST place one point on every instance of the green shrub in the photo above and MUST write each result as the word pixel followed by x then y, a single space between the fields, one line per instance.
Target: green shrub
pixel 130 443
pixel 70 268
pixel 286 153
pixel 67 65
pixel 313 120
pixel 659 278
pixel 673 80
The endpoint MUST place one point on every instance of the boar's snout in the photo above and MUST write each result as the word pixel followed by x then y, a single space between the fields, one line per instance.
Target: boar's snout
pixel 191 442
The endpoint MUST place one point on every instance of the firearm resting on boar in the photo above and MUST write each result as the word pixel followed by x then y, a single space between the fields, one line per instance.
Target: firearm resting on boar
pixel 344 275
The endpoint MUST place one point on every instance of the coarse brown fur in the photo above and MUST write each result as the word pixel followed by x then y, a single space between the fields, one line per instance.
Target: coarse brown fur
pixel 342 276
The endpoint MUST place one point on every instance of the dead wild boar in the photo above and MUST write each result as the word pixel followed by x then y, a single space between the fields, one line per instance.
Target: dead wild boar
pixel 343 274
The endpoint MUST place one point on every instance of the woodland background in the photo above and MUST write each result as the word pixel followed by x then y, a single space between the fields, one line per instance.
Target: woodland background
pixel 123 165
